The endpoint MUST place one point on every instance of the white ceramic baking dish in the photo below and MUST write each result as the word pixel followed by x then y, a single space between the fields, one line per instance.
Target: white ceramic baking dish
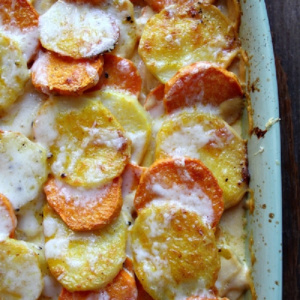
pixel 265 224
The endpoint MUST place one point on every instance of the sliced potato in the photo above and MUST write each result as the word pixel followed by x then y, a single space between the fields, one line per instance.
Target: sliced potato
pixel 205 84
pixel 13 72
pixel 21 114
pixel 184 181
pixel 123 287
pixel 23 168
pixel 85 209
pixel 77 30
pixel 232 10
pixel 55 74
pixel 88 146
pixel 174 253
pixel 133 118
pixel 131 178
pixel 119 74
pixel 183 34
pixel 8 220
pixel 19 21
pixel 123 13
pixel 215 143
pixel 84 261
pixel 20 276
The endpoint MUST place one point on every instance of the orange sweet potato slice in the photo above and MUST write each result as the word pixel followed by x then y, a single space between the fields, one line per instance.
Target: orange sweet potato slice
pixel 186 181
pixel 85 209
pixel 158 5
pixel 120 74
pixel 19 14
pixel 55 74
pixel 123 287
pixel 8 220
pixel 201 82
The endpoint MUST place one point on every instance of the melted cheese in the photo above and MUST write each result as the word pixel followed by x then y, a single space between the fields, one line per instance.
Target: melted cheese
pixel 23 165
pixel 20 116
pixel 77 30
pixel 192 199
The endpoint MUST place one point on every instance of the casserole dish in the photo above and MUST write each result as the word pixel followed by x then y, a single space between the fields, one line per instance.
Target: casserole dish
pixel 264 225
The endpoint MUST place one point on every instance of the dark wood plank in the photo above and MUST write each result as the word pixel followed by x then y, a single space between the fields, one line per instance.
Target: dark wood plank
pixel 284 19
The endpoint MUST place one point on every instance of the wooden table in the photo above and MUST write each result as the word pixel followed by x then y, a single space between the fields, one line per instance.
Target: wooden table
pixel 284 17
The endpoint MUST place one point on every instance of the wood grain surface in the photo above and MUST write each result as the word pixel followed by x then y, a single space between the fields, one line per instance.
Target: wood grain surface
pixel 284 18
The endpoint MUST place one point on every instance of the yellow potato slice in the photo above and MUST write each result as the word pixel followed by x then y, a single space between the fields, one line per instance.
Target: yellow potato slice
pixel 174 253
pixel 20 276
pixel 77 30
pixel 13 72
pixel 183 34
pixel 215 143
pixel 84 261
pixel 55 74
pixel 19 21
pixel 88 146
pixel 20 115
pixel 133 118
pixel 23 168
pixel 158 5
pixel 123 13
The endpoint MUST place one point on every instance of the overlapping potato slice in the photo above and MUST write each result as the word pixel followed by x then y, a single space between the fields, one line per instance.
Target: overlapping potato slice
pixel 174 252
pixel 233 278
pixel 85 209
pixel 131 178
pixel 215 143
pixel 52 73
pixel 183 34
pixel 123 13
pixel 20 276
pixel 132 117
pixel 88 146
pixel 119 74
pixel 154 102
pixel 8 220
pixel 19 20
pixel 206 84
pixel 161 4
pixel 13 72
pixel 184 181
pixel 205 298
pixel 142 294
pixel 232 10
pixel 123 287
pixel 23 168
pixel 41 6
pixel 87 260
pixel 77 30
pixel 20 115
